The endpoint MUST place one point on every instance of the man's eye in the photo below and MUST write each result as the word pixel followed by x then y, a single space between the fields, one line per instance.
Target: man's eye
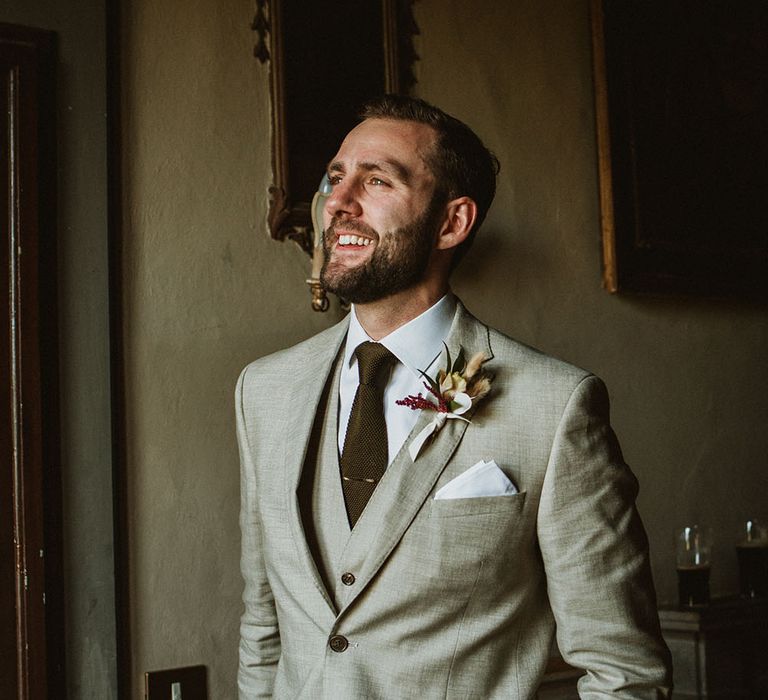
pixel 377 181
pixel 334 179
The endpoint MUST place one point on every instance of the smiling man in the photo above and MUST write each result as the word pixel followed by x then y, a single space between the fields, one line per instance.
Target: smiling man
pixel 426 502
pixel 386 251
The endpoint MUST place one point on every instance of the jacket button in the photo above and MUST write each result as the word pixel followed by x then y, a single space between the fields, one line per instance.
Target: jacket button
pixel 338 643
pixel 348 579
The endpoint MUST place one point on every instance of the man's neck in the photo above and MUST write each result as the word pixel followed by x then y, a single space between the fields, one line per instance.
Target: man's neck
pixel 382 317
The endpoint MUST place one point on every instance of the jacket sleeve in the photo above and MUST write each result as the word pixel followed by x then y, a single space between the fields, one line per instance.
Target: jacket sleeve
pixel 595 554
pixel 259 635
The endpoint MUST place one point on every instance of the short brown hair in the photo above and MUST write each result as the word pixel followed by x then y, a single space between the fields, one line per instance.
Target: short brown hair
pixel 461 163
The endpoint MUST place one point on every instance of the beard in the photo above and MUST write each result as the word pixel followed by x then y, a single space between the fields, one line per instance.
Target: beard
pixel 398 262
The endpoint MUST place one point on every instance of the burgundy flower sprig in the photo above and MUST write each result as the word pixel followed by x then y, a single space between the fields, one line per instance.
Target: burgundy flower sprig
pixel 420 402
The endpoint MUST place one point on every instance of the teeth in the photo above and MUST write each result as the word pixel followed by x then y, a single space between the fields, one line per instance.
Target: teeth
pixel 346 239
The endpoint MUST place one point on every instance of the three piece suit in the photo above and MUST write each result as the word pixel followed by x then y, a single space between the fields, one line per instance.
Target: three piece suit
pixel 430 598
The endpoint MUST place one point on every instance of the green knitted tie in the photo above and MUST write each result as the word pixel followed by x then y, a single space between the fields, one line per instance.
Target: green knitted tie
pixel 365 454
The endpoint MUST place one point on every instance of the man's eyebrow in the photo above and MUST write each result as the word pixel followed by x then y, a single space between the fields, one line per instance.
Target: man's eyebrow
pixel 400 171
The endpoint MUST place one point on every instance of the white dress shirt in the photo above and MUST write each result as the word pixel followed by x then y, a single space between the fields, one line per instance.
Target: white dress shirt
pixel 417 345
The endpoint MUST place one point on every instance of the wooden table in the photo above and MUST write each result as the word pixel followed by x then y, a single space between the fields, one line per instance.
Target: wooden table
pixel 719 650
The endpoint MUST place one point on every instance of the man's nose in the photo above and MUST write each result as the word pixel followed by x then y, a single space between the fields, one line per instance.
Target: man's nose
pixel 344 199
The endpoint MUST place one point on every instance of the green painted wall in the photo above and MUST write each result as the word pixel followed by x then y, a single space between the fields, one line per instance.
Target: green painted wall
pixel 206 292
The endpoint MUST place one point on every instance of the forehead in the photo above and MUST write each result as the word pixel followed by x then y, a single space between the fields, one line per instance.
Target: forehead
pixel 388 140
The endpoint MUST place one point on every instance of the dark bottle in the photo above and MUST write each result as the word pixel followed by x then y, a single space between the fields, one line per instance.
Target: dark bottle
pixel 693 585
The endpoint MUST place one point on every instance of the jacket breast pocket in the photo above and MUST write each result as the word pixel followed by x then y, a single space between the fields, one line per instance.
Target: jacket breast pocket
pixel 454 539
pixel 504 506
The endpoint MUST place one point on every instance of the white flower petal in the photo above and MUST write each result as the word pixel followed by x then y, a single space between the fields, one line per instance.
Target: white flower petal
pixel 461 403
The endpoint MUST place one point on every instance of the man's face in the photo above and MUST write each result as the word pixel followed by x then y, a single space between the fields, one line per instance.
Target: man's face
pixel 381 217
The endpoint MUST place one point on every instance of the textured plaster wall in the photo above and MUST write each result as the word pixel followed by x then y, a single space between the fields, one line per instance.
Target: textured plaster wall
pixel 687 378
pixel 84 336
pixel 207 291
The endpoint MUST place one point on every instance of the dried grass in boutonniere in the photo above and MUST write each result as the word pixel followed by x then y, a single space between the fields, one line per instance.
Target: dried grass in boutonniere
pixel 457 388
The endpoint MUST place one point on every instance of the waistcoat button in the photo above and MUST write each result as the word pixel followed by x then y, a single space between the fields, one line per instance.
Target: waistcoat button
pixel 347 579
pixel 338 643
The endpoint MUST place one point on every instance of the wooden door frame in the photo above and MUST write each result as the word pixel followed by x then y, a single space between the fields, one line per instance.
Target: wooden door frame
pixel 31 330
pixel 116 339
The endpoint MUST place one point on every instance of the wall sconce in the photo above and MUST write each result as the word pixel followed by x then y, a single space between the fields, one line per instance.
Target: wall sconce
pixel 319 297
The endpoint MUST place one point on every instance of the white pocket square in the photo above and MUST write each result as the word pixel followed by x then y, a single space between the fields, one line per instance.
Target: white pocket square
pixel 483 479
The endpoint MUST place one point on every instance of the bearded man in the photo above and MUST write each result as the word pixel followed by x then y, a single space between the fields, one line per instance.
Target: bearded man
pixel 425 501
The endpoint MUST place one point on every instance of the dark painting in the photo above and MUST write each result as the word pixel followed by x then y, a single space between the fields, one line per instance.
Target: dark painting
pixel 682 100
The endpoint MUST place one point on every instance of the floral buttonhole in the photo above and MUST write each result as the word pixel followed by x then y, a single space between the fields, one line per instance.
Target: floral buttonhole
pixel 458 387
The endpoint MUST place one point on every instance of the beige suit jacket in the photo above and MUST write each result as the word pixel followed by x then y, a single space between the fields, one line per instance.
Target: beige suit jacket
pixel 451 598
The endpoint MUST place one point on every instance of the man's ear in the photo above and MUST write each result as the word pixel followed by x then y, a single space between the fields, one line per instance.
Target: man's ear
pixel 460 215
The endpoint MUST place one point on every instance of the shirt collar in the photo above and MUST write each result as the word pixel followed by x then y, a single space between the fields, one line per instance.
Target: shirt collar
pixel 417 343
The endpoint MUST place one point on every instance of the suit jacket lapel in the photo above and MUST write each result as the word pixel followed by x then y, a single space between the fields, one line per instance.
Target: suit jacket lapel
pixel 310 380
pixel 406 484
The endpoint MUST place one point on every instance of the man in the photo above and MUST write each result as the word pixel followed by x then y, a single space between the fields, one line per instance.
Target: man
pixel 431 553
